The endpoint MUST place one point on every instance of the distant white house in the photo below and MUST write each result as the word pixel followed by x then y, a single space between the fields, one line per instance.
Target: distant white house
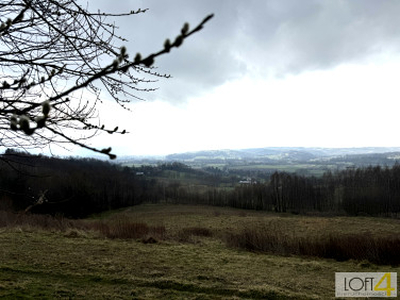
pixel 248 180
pixel 139 173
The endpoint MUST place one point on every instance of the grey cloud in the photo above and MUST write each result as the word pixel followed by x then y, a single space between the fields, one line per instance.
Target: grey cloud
pixel 201 63
pixel 295 36
pixel 266 38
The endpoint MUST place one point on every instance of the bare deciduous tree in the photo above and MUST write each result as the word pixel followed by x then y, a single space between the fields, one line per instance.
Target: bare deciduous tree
pixel 52 54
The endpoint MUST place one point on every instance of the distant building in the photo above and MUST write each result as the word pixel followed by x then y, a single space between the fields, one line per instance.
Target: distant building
pixel 139 173
pixel 248 180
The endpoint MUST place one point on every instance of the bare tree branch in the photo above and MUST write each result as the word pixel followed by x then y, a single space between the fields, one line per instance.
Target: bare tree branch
pixel 53 51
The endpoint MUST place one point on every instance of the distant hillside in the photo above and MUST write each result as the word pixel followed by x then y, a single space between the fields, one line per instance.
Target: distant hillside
pixel 292 159
pixel 292 154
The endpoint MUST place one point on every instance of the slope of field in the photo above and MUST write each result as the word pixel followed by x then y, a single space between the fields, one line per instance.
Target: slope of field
pixel 190 260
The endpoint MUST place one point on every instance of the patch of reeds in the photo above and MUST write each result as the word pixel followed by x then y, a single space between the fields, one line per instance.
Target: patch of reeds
pixel 125 229
pixel 378 250
pixel 46 222
pixel 186 234
pixel 119 229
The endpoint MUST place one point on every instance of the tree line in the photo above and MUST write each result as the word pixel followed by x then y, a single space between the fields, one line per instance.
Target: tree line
pixel 372 190
pixel 80 187
pixel 73 187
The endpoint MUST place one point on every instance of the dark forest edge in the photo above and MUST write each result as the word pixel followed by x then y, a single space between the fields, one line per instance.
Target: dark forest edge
pixel 77 188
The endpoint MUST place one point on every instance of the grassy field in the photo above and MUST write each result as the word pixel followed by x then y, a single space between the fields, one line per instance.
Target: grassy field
pixel 181 252
pixel 309 169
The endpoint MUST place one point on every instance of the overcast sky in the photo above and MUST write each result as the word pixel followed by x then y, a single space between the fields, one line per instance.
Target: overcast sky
pixel 309 73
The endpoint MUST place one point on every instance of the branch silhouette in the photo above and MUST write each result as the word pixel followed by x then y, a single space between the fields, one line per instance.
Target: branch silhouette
pixel 52 73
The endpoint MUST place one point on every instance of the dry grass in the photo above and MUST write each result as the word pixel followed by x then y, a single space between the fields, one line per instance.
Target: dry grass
pixel 42 265
pixel 189 234
pixel 341 247
pixel 340 238
pixel 180 252
pixel 125 229
pixel 45 222
pixel 121 228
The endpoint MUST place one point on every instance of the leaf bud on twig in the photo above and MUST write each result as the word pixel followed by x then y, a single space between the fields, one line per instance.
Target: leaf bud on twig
pixel 14 122
pixel 24 124
pixel 167 45
pixel 41 121
pixel 178 40
pixel 185 28
pixel 138 58
pixel 115 63
pixel 46 108
pixel 122 54
pixel 123 51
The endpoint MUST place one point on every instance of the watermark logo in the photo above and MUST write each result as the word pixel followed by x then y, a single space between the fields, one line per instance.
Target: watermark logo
pixel 365 284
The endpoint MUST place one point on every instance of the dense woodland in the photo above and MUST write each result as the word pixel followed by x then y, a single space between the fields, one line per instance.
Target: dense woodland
pixel 80 187
pixel 75 187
